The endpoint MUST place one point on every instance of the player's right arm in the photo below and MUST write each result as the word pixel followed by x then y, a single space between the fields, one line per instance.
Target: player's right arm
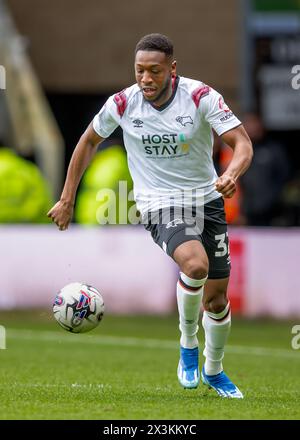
pixel 62 211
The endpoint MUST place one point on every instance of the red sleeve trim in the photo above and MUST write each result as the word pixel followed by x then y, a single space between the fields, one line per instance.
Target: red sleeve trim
pixel 199 93
pixel 120 100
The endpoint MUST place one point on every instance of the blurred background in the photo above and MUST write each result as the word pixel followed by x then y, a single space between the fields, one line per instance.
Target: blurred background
pixel 60 61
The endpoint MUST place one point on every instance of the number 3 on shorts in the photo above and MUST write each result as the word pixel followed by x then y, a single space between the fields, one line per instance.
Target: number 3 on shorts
pixel 222 245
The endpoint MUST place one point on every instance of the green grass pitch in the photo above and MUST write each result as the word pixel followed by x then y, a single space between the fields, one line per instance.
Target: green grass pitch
pixel 126 369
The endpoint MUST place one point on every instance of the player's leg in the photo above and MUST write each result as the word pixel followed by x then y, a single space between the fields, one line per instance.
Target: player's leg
pixel 193 263
pixel 216 317
pixel 170 233
pixel 216 322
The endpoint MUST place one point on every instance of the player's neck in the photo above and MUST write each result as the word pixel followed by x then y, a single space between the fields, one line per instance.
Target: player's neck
pixel 166 96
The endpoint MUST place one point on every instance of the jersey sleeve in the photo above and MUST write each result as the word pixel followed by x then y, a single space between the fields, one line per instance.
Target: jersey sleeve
pixel 107 120
pixel 218 114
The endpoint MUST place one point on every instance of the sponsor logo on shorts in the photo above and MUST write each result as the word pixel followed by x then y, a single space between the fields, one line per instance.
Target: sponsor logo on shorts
pixel 174 223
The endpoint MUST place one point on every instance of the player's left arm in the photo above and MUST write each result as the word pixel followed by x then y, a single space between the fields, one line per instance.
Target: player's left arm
pixel 238 139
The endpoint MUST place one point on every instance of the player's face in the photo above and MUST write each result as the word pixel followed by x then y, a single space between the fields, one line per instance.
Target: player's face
pixel 153 72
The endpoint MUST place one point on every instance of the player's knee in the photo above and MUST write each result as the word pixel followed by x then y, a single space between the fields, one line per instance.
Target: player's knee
pixel 216 304
pixel 195 268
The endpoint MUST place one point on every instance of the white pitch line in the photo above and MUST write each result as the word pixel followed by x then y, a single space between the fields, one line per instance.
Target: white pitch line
pixel 120 341
pixel 56 385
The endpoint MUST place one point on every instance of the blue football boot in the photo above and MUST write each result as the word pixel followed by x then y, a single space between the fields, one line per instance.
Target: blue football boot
pixel 222 385
pixel 188 368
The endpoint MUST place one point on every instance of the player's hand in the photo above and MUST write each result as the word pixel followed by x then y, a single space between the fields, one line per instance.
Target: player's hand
pixel 61 214
pixel 226 185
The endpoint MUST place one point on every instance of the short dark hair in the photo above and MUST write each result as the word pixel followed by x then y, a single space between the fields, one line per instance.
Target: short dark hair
pixel 156 42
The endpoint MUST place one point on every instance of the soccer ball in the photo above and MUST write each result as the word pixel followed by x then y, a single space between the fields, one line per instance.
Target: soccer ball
pixel 78 307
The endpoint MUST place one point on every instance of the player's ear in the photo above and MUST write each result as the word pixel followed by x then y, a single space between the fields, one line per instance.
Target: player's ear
pixel 173 67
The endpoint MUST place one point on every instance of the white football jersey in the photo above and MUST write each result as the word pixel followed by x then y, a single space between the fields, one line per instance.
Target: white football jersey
pixel 169 148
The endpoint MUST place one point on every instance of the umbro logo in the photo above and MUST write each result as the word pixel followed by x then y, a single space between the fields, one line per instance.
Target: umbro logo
pixel 138 123
pixel 184 120
pixel 174 223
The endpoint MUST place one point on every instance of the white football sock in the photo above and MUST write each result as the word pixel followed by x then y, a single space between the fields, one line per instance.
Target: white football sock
pixel 189 297
pixel 217 328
